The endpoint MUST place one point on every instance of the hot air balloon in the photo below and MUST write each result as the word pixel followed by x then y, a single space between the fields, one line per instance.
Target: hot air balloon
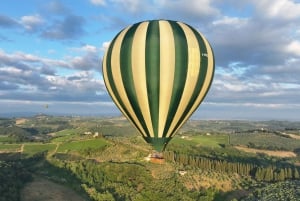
pixel 157 73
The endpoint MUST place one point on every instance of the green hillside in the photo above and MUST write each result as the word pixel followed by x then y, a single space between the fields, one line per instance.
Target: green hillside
pixel 106 159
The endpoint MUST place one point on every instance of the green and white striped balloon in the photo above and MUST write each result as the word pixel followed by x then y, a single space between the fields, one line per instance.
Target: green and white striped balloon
pixel 158 72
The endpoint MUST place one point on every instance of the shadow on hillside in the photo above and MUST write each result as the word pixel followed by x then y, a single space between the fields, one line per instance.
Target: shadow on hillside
pixel 38 166
pixel 12 156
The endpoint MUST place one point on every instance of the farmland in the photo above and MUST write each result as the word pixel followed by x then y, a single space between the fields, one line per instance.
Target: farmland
pixel 9 147
pixel 82 145
pixel 31 149
pixel 105 159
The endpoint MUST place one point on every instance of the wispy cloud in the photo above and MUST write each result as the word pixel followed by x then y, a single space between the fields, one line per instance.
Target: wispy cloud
pixel 70 27
pixel 8 22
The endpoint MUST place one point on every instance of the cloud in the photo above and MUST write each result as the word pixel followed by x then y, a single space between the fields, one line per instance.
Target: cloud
pixel 152 9
pixel 89 48
pixel 98 2
pixel 109 22
pixel 130 6
pixel 278 9
pixel 31 22
pixel 255 39
pixel 29 77
pixel 4 85
pixel 70 27
pixel 14 60
pixel 191 10
pixel 27 80
pixel 80 86
pixel 47 70
pixel 7 22
pixel 105 45
pixel 86 62
pixel 89 58
pixel 293 47
pixel 195 12
pixel 55 8
pixel 86 48
pixel 133 6
pixel 247 41
pixel 231 21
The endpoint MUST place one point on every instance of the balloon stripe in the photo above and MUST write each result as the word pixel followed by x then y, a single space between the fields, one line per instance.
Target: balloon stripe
pixel 153 72
pixel 199 86
pixel 181 62
pixel 117 79
pixel 110 85
pixel 192 78
pixel 139 74
pixel 205 78
pixel 210 65
pixel 167 70
pixel 127 77
pixel 108 78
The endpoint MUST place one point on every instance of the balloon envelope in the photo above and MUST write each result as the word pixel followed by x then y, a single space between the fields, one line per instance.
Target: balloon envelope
pixel 158 72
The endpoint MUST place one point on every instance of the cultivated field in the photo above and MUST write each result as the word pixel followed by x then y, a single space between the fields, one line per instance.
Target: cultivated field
pixel 33 148
pixel 10 148
pixel 281 154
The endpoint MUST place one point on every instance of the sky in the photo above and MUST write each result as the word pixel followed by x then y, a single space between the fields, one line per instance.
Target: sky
pixel 51 54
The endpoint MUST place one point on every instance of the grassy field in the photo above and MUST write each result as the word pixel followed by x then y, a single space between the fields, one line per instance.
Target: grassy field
pixel 63 138
pixel 66 135
pixel 210 140
pixel 31 149
pixel 10 147
pixel 4 139
pixel 81 145
pixel 68 132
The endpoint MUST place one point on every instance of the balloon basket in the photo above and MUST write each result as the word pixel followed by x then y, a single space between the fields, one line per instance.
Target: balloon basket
pixel 157 158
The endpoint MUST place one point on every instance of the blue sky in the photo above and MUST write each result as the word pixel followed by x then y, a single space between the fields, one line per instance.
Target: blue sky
pixel 51 54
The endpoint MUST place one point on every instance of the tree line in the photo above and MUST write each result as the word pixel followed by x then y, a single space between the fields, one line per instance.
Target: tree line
pixel 258 172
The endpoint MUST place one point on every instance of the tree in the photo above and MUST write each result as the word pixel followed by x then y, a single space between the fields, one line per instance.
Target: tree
pixel 259 174
pixel 281 175
pixel 289 173
pixel 296 174
pixel 268 174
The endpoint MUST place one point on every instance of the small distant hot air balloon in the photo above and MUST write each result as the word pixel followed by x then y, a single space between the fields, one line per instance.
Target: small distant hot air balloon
pixel 158 72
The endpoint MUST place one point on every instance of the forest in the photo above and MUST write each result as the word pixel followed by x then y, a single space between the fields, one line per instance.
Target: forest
pixel 106 159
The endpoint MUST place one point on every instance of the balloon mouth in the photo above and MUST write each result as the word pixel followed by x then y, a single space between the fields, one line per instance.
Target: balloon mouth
pixel 158 143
